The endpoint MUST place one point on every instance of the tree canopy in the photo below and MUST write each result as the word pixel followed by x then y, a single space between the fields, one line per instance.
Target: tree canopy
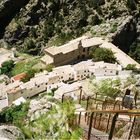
pixel 29 74
pixel 6 67
pixel 102 54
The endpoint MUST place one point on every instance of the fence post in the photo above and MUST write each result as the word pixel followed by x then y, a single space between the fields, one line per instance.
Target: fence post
pixel 79 118
pixel 113 126
pixel 90 125
pixel 80 95
pixel 131 129
pixel 108 122
pixel 100 119
pixel 86 108
pixel 62 98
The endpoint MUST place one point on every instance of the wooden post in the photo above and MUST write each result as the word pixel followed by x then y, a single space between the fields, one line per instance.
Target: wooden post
pixel 113 126
pixel 86 109
pixel 108 122
pixel 62 98
pixel 87 103
pixel 100 120
pixel 90 125
pixel 80 95
pixel 131 129
pixel 79 118
pixel 95 116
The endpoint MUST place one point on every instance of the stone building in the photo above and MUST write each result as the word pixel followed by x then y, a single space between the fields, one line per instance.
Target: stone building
pixel 74 50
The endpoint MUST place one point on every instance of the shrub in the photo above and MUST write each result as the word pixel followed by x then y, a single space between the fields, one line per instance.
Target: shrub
pixel 102 54
pixel 6 67
pixel 14 114
pixel 131 67
pixel 29 75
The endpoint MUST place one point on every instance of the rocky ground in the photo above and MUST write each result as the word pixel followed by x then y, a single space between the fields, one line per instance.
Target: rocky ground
pixel 10 132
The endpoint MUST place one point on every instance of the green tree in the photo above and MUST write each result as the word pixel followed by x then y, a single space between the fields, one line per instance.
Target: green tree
pixel 29 74
pixel 30 46
pixel 131 67
pixel 102 54
pixel 14 114
pixel 6 67
pixel 135 51
pixel 106 87
pixel 55 124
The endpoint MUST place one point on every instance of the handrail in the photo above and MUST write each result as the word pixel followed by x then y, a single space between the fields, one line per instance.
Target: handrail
pixel 134 111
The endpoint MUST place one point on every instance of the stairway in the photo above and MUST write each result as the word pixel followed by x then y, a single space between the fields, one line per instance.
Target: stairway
pixel 95 134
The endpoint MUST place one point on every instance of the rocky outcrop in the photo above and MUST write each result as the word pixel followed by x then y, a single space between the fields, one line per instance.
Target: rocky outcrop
pixel 10 132
pixel 39 107
pixel 8 9
pixel 126 33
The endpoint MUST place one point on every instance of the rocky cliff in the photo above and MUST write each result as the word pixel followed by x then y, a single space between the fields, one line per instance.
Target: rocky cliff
pixel 54 22
pixel 8 10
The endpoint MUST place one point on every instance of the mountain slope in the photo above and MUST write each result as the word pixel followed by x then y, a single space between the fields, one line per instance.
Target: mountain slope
pixel 54 22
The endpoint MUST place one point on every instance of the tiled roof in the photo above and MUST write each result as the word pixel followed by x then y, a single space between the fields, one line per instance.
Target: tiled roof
pixel 18 77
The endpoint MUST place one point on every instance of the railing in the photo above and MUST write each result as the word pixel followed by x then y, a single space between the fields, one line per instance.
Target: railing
pixel 91 116
pixel 116 113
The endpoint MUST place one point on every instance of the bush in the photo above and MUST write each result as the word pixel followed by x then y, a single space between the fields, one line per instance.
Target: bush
pixel 30 47
pixel 29 75
pixel 6 67
pixel 55 124
pixel 14 114
pixel 49 68
pixel 102 54
pixel 131 67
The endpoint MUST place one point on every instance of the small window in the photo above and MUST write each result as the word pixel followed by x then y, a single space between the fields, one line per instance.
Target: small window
pixel 84 49
pixel 83 56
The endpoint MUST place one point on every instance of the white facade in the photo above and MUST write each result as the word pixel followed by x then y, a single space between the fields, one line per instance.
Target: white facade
pixel 65 73
pixel 47 81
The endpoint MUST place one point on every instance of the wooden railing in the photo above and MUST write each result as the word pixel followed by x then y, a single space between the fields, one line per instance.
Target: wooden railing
pixel 135 113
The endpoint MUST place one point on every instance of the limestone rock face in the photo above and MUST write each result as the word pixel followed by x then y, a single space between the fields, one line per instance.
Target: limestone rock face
pixel 39 107
pixel 10 132
pixel 8 9
pixel 126 33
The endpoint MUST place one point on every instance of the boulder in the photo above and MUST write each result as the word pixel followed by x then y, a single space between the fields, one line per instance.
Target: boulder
pixel 10 132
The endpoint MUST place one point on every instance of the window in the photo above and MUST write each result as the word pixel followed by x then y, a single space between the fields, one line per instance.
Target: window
pixel 84 49
pixel 83 56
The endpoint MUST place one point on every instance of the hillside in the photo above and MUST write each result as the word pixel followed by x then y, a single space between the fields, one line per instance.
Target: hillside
pixel 53 22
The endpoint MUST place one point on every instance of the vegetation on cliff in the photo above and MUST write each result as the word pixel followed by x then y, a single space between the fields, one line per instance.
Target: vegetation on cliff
pixel 55 22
